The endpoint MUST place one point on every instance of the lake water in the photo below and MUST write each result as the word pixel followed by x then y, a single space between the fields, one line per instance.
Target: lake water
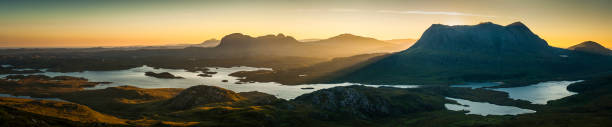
pixel 542 92
pixel 475 85
pixel 480 108
pixel 539 93
pixel 136 77
pixel 34 98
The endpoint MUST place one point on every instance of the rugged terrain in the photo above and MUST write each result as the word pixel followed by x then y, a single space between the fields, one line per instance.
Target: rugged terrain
pixel 339 106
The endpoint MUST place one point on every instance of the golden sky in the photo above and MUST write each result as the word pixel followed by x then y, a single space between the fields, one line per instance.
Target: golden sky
pixel 86 23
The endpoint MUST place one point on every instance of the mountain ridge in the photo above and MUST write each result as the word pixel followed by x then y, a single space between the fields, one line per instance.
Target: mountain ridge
pixel 336 46
pixel 591 47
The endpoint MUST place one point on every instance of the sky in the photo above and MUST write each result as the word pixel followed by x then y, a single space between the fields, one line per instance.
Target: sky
pixel 88 23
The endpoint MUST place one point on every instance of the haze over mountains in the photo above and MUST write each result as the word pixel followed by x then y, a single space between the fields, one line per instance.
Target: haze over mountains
pixel 339 46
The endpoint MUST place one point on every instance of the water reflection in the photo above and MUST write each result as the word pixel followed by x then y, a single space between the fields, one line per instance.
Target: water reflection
pixel 480 108
pixel 475 85
pixel 136 77
pixel 34 98
pixel 542 92
pixel 539 93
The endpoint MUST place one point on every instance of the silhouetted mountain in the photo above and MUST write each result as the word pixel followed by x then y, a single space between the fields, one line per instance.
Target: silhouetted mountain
pixel 345 45
pixel 479 53
pixel 482 38
pixel 210 43
pixel 310 40
pixel 338 46
pixel 352 40
pixel 591 47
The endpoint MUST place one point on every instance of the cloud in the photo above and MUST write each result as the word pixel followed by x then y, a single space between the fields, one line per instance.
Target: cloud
pixel 348 10
pixel 308 10
pixel 431 13
pixel 345 10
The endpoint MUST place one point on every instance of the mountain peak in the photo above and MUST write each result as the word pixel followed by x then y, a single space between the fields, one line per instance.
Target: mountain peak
pixel 591 47
pixel 235 36
pixel 238 40
pixel 591 43
pixel 348 36
pixel 235 39
pixel 276 38
pixel 211 41
pixel 516 24
pixel 484 37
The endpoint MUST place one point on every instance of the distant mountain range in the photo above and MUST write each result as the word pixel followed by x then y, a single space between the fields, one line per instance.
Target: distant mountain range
pixel 591 47
pixel 338 46
pixel 480 53
pixel 210 43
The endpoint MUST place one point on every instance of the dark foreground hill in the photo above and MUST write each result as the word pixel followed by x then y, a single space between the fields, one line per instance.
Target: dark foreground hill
pixel 480 53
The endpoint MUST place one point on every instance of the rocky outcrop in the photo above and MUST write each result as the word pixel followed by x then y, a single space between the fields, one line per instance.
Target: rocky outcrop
pixel 591 47
pixel 368 102
pixel 348 99
pixel 258 98
pixel 163 75
pixel 202 95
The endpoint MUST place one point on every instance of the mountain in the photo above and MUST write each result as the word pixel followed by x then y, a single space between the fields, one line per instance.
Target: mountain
pixel 482 38
pixel 210 43
pixel 479 53
pixel 345 45
pixel 310 40
pixel 338 46
pixel 591 47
